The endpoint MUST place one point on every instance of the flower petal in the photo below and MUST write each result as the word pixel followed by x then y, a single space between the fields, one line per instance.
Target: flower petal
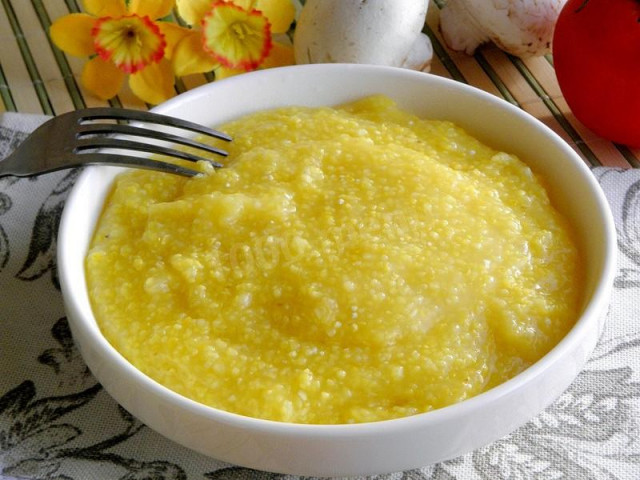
pixel 279 56
pixel 154 84
pixel 193 11
pixel 173 34
pixel 102 78
pixel 131 42
pixel 189 57
pixel 280 13
pixel 243 4
pixel 105 8
pixel 72 34
pixel 237 38
pixel 153 10
pixel 223 72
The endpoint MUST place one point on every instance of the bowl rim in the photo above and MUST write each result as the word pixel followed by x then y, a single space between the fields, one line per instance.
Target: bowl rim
pixel 595 303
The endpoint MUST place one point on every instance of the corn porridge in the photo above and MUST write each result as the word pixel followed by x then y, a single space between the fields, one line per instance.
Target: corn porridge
pixel 349 264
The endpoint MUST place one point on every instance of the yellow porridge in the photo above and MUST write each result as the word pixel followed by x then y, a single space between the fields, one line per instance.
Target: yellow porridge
pixel 349 264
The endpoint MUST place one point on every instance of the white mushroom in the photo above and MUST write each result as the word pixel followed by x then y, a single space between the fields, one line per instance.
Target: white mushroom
pixel 420 54
pixel 520 27
pixel 382 32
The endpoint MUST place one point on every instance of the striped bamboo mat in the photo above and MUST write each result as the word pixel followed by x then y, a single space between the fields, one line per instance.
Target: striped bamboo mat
pixel 35 77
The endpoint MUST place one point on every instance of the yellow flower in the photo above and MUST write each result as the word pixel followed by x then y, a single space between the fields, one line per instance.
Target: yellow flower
pixel 122 38
pixel 232 36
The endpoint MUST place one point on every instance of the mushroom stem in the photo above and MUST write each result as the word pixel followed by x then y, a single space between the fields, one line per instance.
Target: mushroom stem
pixel 420 54
pixel 459 28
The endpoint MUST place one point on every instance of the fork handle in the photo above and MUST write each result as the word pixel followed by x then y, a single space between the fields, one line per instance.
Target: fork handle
pixel 29 157
pixel 10 166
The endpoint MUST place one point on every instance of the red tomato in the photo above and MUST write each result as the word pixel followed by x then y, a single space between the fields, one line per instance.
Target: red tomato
pixel 596 54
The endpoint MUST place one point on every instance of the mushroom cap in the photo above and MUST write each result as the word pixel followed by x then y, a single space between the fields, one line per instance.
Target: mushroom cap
pixel 355 31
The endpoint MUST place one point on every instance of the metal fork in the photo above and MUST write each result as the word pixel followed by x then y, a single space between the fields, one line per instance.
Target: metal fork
pixel 75 139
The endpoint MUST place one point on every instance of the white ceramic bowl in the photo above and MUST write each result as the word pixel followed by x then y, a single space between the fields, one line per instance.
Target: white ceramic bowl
pixel 387 446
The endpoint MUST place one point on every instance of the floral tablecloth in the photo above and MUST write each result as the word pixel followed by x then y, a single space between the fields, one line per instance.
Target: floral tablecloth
pixel 56 421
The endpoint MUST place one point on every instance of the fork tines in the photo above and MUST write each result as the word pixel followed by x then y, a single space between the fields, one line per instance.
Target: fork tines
pixel 91 136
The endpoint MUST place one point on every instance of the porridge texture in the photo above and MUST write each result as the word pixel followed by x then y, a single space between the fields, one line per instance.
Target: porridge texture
pixel 349 264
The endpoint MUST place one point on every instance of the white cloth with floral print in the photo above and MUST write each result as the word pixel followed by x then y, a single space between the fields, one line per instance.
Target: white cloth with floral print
pixel 56 422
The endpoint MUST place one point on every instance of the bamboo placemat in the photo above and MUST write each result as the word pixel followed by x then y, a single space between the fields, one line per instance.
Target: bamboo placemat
pixel 35 77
